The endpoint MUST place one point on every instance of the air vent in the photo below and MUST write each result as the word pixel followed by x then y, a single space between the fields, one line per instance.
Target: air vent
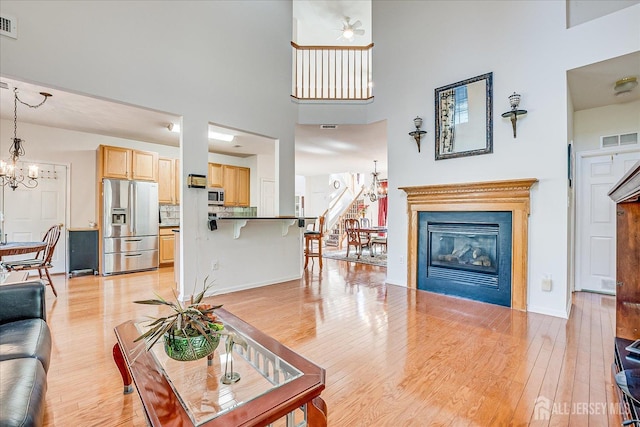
pixel 9 26
pixel 618 140
pixel 4 85
pixel 328 126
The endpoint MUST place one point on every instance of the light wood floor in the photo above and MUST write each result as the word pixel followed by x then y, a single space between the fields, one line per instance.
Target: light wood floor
pixel 394 357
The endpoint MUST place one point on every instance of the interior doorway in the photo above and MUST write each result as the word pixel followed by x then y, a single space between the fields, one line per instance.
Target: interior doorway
pixel 596 218
pixel 30 212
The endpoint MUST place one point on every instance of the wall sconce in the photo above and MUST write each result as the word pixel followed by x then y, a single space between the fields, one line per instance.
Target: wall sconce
pixel 514 100
pixel 417 134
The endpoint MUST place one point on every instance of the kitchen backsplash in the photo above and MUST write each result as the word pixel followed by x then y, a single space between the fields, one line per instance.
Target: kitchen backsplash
pixel 169 215
pixel 233 211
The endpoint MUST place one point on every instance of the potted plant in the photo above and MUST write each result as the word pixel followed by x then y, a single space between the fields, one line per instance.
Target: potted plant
pixel 191 332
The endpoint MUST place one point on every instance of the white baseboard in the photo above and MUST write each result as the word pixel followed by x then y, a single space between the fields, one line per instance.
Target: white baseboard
pixel 564 314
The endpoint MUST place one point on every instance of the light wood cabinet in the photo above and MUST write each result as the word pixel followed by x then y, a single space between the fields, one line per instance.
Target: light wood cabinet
pixel 144 165
pixel 242 187
pixel 234 179
pixel 236 185
pixel 125 163
pixel 116 162
pixel 215 175
pixel 166 243
pixel 168 180
pixel 229 178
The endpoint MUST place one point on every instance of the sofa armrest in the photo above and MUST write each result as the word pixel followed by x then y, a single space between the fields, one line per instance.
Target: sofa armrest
pixel 24 300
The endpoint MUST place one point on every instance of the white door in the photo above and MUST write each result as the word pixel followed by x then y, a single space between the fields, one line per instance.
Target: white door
pixel 30 212
pixel 596 219
pixel 267 197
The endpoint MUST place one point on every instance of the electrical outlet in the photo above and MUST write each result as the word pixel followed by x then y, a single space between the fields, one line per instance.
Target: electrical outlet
pixel 215 264
pixel 401 260
pixel 546 283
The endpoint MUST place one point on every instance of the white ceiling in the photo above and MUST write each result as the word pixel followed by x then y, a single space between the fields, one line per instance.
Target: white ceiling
pixel 591 86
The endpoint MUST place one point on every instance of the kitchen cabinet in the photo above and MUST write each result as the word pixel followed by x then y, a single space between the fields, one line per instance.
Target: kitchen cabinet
pixel 168 188
pixel 166 243
pixel 236 185
pixel 125 163
pixel 215 175
pixel 234 179
pixel 242 186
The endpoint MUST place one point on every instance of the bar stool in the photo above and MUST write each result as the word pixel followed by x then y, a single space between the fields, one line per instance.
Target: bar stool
pixel 310 238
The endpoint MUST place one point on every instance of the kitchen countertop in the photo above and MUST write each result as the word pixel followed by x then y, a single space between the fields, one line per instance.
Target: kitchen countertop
pixel 264 217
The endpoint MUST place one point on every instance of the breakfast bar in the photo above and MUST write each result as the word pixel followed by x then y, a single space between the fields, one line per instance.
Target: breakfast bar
pixel 242 252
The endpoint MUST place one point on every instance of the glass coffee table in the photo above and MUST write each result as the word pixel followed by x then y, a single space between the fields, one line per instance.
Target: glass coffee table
pixel 277 386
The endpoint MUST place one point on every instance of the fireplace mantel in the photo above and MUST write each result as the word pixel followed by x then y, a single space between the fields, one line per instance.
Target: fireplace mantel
pixel 510 195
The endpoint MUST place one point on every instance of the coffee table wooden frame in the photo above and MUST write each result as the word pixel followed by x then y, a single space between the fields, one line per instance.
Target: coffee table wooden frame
pixel 163 407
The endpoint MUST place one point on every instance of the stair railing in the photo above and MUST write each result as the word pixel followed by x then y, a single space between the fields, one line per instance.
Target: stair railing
pixel 332 72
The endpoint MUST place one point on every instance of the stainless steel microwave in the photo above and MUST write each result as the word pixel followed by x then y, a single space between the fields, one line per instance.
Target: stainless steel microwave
pixel 216 196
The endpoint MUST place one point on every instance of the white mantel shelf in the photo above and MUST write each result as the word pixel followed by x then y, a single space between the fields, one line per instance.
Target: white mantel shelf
pixel 286 222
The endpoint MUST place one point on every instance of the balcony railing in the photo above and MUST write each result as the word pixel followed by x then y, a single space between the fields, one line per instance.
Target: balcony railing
pixel 332 72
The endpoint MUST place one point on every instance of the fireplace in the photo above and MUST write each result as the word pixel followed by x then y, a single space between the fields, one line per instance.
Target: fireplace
pixel 510 196
pixel 466 254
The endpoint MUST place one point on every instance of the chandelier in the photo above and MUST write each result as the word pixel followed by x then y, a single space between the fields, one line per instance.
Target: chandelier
pixel 11 173
pixel 378 188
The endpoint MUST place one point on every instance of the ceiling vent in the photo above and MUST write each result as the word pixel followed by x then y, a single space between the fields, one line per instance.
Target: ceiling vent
pixel 328 126
pixel 618 140
pixel 4 85
pixel 9 26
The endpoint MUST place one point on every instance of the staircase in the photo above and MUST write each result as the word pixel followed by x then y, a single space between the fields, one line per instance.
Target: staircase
pixel 339 212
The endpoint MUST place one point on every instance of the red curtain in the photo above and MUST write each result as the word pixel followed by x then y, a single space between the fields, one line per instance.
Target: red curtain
pixel 382 207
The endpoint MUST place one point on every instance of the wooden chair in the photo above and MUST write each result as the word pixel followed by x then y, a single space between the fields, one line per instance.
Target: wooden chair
pixel 354 238
pixel 379 241
pixel 42 260
pixel 311 238
pixel 365 238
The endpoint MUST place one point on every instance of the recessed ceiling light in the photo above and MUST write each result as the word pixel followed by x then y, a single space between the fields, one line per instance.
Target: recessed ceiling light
pixel 625 85
pixel 220 136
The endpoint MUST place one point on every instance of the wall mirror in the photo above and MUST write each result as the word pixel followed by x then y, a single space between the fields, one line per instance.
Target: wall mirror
pixel 464 118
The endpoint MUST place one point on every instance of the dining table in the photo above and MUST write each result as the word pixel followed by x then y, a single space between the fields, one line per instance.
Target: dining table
pixel 372 230
pixel 20 248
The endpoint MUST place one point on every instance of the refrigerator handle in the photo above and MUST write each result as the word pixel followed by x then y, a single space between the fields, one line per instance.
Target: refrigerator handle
pixel 132 205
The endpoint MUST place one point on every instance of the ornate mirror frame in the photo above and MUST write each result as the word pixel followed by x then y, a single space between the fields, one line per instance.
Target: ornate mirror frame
pixel 464 118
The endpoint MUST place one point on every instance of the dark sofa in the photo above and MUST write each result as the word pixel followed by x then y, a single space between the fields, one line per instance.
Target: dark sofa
pixel 25 350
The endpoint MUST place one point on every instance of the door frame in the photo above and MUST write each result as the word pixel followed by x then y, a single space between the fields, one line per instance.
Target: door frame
pixel 578 185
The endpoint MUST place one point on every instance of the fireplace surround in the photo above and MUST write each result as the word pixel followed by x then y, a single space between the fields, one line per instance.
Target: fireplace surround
pixel 502 196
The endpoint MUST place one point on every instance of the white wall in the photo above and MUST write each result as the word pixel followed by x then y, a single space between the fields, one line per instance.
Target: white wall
pixel 526 46
pixel 590 125
pixel 183 61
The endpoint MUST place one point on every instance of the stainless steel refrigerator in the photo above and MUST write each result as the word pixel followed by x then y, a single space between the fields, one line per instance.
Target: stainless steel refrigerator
pixel 130 226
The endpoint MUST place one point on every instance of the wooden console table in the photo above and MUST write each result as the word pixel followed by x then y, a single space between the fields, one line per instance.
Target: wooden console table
pixel 626 195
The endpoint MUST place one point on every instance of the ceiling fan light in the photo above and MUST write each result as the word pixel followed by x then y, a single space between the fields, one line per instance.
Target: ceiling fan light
pixel 347 33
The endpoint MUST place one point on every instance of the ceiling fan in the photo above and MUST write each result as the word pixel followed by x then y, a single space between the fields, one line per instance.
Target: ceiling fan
pixel 350 30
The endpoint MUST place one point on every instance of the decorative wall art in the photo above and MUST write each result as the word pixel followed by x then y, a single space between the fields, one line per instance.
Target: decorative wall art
pixel 463 122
